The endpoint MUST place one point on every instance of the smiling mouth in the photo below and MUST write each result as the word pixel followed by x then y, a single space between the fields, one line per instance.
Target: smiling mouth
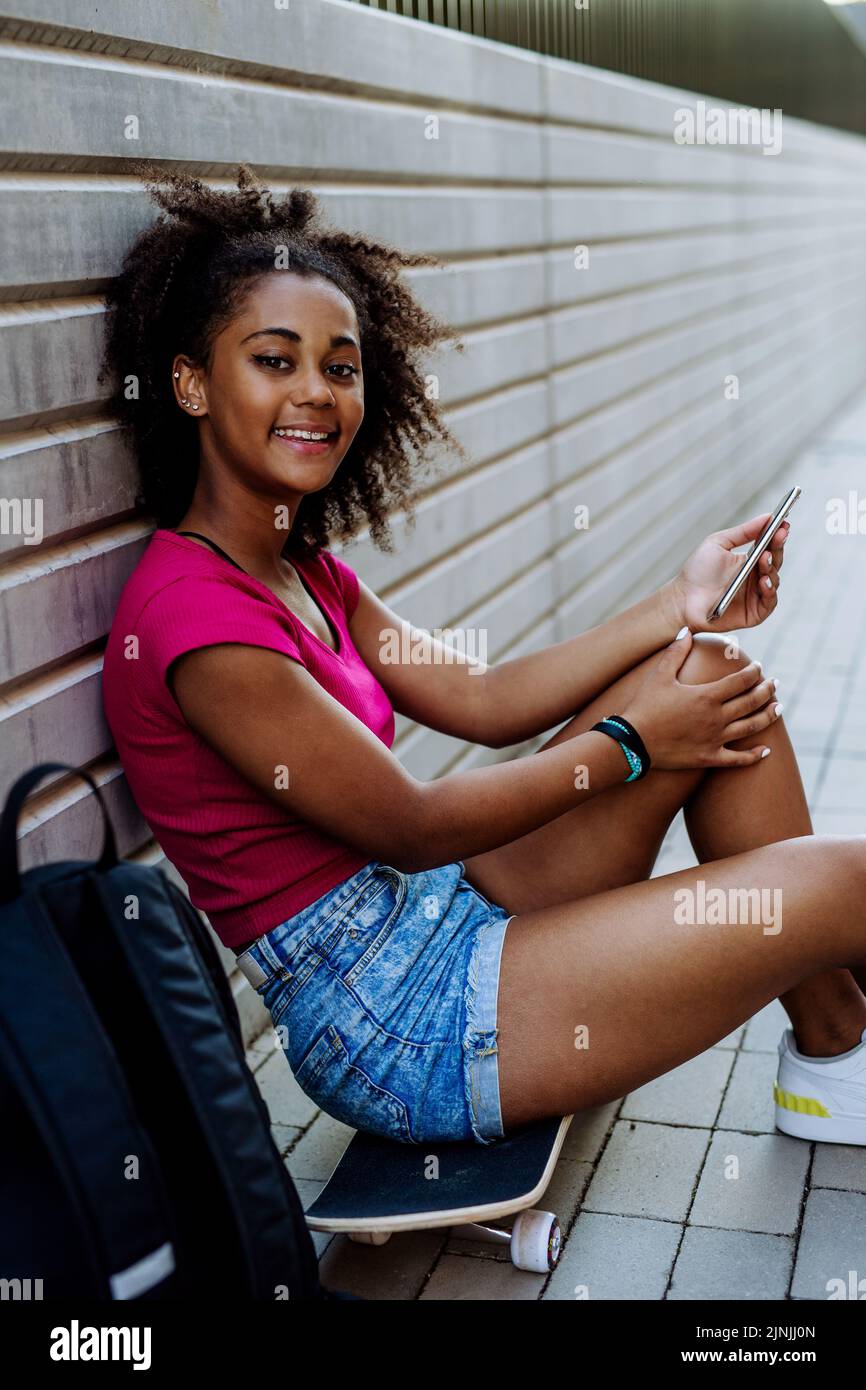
pixel 305 436
pixel 307 444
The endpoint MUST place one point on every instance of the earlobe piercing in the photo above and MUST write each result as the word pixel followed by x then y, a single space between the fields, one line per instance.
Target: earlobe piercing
pixel 183 399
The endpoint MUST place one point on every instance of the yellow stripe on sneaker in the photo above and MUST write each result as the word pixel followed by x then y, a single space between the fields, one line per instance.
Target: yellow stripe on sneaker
pixel 804 1105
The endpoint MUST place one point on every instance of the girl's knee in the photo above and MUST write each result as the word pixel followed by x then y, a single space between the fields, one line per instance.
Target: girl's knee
pixel 712 656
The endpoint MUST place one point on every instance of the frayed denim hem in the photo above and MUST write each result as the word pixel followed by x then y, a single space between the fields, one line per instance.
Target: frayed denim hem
pixel 480 1050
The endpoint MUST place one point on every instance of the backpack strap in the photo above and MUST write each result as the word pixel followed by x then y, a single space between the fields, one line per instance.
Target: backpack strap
pixel 79 1102
pixel 10 879
pixel 201 1034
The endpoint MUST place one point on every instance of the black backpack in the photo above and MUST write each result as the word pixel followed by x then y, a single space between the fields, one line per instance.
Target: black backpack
pixel 138 1160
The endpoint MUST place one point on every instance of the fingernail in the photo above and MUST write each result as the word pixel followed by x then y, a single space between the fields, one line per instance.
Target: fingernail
pixel 775 684
pixel 768 581
pixel 766 752
pixel 682 632
pixel 778 709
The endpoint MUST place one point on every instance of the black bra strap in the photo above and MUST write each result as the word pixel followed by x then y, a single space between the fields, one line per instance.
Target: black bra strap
pixel 217 548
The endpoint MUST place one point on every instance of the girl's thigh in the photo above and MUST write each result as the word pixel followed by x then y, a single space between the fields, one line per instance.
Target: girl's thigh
pixel 600 995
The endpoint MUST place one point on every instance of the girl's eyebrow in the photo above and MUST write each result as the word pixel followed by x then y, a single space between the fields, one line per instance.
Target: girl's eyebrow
pixel 337 339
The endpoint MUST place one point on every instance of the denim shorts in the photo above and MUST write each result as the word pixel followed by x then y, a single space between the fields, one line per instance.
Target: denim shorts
pixel 383 993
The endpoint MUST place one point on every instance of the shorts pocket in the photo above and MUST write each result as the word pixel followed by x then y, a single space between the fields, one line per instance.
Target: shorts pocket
pixel 343 1090
pixel 369 923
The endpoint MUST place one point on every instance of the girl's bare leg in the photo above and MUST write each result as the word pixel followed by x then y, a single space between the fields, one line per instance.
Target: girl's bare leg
pixel 828 1011
pixel 613 841
pixel 600 995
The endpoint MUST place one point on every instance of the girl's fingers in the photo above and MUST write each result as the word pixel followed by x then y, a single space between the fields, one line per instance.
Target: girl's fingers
pixel 768 569
pixel 741 728
pixel 767 601
pixel 742 757
pixel 751 701
pixel 737 682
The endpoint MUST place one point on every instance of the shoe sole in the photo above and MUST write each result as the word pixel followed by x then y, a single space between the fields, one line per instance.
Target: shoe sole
pixel 824 1129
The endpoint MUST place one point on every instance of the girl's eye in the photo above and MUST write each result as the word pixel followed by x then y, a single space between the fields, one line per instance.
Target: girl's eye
pixel 268 360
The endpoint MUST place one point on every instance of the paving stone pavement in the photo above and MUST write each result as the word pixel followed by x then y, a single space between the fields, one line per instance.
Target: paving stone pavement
pixel 644 1185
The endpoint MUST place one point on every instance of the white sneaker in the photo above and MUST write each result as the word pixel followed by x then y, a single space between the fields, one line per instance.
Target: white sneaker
pixel 821 1098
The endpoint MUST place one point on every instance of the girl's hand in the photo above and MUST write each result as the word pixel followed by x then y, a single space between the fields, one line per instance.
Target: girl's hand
pixel 690 725
pixel 709 570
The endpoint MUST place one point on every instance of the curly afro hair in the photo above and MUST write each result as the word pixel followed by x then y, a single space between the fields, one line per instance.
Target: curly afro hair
pixel 184 278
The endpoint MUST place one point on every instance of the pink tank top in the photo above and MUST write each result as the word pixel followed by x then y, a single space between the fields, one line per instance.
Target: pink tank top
pixel 247 863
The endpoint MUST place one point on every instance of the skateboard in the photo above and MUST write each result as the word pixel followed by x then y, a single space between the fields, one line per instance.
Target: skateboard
pixel 380 1186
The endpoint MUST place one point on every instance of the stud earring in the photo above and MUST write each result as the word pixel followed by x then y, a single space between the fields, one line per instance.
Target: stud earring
pixel 176 376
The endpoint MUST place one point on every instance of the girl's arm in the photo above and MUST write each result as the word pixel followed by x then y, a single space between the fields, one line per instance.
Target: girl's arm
pixel 448 686
pixel 530 694
pixel 263 712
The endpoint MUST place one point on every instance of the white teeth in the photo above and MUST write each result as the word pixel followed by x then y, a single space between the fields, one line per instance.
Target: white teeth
pixel 302 434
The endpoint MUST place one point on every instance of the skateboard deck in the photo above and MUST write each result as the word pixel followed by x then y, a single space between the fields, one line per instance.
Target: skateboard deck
pixel 383 1186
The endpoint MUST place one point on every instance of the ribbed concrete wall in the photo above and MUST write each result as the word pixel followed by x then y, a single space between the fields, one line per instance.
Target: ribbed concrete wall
pixel 603 386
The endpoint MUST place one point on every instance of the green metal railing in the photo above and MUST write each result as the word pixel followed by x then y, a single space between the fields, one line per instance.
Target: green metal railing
pixel 794 54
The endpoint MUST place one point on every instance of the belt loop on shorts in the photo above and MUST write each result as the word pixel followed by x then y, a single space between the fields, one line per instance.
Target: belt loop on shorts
pixel 249 966
pixel 254 972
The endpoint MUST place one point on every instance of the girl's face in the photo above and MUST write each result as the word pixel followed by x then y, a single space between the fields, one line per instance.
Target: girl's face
pixel 291 359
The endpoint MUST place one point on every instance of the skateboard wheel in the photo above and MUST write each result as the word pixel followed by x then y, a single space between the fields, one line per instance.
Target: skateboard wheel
pixel 369 1237
pixel 536 1240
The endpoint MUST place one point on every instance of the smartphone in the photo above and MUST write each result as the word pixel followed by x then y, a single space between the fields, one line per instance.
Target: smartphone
pixel 754 555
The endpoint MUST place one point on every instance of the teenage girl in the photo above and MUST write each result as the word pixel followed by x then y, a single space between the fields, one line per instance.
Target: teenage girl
pixel 443 958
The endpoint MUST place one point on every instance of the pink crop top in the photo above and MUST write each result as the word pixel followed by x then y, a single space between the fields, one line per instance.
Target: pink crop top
pixel 247 863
